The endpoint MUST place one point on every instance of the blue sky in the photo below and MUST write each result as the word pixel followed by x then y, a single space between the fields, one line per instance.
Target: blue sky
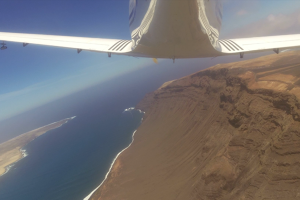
pixel 251 18
pixel 35 75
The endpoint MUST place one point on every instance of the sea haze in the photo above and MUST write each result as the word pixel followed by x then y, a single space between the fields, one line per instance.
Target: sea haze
pixel 71 161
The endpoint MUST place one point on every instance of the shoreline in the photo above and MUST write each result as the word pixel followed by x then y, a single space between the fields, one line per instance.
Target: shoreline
pixel 215 135
pixel 22 152
pixel 111 166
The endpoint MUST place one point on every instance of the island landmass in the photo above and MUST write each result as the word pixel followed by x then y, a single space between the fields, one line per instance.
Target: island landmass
pixel 228 132
pixel 11 151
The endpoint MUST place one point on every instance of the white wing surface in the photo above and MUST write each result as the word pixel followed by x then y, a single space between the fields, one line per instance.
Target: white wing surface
pixel 79 43
pixel 260 44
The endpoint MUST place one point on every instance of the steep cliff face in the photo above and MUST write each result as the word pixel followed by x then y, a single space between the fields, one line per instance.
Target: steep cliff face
pixel 229 132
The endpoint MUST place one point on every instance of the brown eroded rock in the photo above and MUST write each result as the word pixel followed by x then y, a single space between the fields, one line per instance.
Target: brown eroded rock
pixel 230 132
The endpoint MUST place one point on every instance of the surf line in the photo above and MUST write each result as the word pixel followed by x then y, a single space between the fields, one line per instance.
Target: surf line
pixel 24 152
pixel 8 167
pixel 88 197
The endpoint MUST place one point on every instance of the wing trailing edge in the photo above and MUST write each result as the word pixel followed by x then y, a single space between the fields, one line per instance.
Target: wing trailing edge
pixel 257 44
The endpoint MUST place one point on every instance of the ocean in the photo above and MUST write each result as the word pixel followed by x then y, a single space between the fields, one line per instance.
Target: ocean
pixel 71 161
pixel 66 163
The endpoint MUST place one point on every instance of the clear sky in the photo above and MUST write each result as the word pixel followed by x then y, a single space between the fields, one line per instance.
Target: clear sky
pixel 35 75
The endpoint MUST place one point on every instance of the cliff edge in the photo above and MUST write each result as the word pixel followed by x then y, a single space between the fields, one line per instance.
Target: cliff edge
pixel 229 132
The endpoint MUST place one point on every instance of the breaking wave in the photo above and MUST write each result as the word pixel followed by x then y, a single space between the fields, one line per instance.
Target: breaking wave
pixel 126 110
pixel 24 152
pixel 133 108
pixel 8 167
pixel 87 197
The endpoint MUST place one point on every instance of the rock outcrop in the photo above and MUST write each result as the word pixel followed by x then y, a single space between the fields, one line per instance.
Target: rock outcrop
pixel 230 132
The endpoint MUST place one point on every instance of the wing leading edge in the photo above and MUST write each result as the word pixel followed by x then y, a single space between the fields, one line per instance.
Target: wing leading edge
pixel 80 43
pixel 116 46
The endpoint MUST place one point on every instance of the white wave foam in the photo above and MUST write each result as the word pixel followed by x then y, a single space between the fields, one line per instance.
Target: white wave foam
pixel 8 167
pixel 24 152
pixel 56 122
pixel 68 119
pixel 126 110
pixel 87 197
pixel 141 111
pixel 129 109
pixel 133 108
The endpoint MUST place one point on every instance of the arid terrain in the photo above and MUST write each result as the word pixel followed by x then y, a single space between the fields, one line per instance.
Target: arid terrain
pixel 10 151
pixel 230 132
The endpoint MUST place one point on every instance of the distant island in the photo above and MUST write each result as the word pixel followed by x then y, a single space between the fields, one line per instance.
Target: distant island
pixel 11 151
pixel 229 132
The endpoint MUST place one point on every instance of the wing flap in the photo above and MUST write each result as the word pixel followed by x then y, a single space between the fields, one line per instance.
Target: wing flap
pixel 83 43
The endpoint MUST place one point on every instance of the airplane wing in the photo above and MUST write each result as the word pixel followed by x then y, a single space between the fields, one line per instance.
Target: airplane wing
pixel 79 43
pixel 260 44
pixel 116 46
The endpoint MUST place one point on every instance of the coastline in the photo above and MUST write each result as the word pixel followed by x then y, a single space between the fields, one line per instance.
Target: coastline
pixel 15 152
pixel 22 154
pixel 227 132
pixel 111 166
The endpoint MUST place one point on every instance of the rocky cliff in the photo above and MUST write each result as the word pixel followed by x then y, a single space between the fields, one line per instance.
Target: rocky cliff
pixel 230 132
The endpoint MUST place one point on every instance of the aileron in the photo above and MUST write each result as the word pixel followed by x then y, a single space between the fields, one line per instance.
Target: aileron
pixel 267 43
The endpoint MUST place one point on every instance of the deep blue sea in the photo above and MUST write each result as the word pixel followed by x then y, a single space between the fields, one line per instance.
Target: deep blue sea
pixel 66 163
pixel 71 161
